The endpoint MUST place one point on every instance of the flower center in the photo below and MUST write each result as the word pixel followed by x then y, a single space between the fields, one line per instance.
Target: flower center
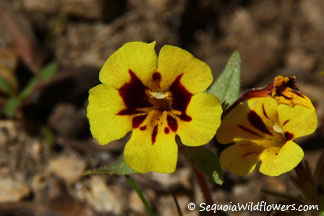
pixel 159 94
pixel 160 100
pixel 277 128
pixel 142 102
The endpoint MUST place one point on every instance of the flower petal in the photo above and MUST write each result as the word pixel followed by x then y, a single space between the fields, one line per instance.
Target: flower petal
pixel 138 57
pixel 240 158
pixel 205 111
pixel 298 120
pixel 151 149
pixel 266 108
pixel 174 61
pixel 286 92
pixel 104 104
pixel 235 126
pixel 276 161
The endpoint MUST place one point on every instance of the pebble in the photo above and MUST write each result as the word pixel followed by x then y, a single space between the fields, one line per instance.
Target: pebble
pixel 13 189
pixel 69 168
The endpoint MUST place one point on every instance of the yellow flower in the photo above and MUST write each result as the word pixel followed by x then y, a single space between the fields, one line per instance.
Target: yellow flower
pixel 156 99
pixel 263 124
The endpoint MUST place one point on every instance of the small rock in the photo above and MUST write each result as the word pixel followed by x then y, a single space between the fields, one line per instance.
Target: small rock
pixel 68 167
pixel 8 131
pixel 13 189
pixel 101 197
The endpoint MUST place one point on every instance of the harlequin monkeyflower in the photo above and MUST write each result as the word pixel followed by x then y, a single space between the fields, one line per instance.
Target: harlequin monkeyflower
pixel 263 124
pixel 156 99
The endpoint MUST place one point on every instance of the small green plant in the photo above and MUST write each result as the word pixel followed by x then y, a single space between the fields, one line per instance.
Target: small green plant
pixel 14 99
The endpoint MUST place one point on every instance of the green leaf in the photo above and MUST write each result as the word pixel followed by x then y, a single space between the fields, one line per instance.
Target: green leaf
pixel 48 71
pixel 206 161
pixel 117 168
pixel 11 106
pixel 46 75
pixel 29 88
pixel 5 86
pixel 227 86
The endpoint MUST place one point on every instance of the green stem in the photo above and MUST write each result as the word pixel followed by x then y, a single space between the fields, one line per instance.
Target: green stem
pixel 140 194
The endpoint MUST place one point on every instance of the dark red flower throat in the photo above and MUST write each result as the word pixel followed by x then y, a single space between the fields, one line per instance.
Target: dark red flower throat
pixel 140 100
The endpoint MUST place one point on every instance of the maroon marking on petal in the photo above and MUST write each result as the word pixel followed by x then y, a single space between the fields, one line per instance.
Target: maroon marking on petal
pixel 138 120
pixel 249 153
pixel 185 118
pixel 173 124
pixel 129 112
pixel 143 128
pixel 154 133
pixel 133 93
pixel 286 121
pixel 180 98
pixel 297 93
pixel 289 136
pixel 249 131
pixel 264 112
pixel 166 130
pixel 156 76
pixel 257 122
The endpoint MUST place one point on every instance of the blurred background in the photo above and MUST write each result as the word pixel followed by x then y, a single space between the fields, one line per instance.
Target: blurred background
pixel 50 56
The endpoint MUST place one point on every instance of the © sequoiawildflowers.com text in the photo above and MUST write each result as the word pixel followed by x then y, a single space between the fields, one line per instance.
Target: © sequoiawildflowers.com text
pixel 251 206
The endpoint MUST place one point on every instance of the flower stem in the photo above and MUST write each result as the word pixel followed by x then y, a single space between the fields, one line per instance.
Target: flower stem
pixel 203 186
pixel 140 194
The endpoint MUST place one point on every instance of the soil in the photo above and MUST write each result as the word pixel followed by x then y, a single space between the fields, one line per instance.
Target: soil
pixel 47 146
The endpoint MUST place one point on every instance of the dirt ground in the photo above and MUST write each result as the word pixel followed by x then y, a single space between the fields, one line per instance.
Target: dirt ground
pixel 47 146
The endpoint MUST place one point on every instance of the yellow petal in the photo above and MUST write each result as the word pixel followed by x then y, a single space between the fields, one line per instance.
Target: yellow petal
pixel 266 108
pixel 205 111
pixel 297 120
pixel 151 149
pixel 286 92
pixel 240 158
pixel 139 57
pixel 235 126
pixel 104 104
pixel 276 160
pixel 174 61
